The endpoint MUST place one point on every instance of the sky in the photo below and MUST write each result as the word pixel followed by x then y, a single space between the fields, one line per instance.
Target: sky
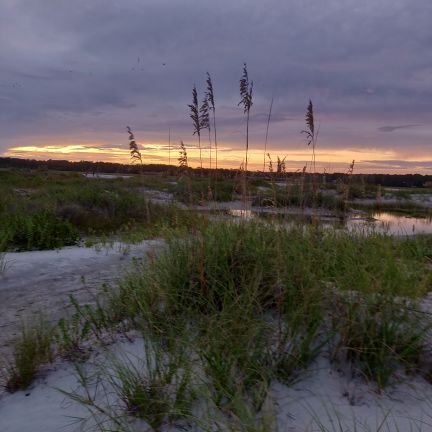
pixel 74 74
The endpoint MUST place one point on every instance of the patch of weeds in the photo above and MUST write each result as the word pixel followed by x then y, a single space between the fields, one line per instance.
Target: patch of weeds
pixel 378 334
pixel 155 386
pixel 74 331
pixel 71 333
pixel 296 350
pixel 32 349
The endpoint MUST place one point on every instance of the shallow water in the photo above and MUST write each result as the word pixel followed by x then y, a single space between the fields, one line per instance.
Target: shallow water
pixel 393 224
pixel 376 222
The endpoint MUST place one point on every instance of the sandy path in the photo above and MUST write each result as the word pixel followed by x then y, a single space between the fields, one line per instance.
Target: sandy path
pixel 41 281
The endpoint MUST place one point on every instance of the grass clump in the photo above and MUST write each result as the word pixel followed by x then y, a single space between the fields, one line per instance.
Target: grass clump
pixel 379 334
pixel 149 389
pixel 31 350
pixel 225 283
pixel 158 389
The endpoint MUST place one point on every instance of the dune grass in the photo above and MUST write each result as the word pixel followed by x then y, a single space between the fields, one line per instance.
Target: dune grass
pixel 32 349
pixel 235 306
pixel 244 304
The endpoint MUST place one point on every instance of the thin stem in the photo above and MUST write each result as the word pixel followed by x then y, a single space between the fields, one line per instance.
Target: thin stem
pixel 267 131
pixel 210 148
pixel 169 146
pixel 247 141
pixel 199 145
pixel 215 139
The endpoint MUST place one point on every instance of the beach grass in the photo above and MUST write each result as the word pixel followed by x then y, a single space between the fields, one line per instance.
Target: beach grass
pixel 245 304
pixel 32 349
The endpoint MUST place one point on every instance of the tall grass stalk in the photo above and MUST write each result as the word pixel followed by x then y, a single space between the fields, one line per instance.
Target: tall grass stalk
pixel 311 138
pixel 267 133
pixel 246 89
pixel 310 131
pixel 211 100
pixel 205 119
pixel 136 156
pixel 196 120
pixel 133 147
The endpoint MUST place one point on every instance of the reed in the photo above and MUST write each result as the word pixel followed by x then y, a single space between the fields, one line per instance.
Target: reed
pixel 267 133
pixel 196 120
pixel 310 131
pixel 211 101
pixel 133 147
pixel 246 89
pixel 311 138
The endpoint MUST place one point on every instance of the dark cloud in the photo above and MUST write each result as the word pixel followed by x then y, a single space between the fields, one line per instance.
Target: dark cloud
pixel 401 164
pixel 393 128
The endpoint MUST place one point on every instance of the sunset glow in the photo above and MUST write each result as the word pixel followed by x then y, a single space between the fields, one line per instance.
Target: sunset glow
pixel 74 80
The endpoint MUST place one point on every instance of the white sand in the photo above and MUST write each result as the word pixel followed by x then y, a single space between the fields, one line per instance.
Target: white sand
pixel 41 281
pixel 37 281
pixel 323 397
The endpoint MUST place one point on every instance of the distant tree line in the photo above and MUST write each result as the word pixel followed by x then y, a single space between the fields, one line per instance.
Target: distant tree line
pixel 89 167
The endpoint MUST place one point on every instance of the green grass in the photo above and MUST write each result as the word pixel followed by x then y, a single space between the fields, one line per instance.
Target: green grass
pixel 32 349
pixel 255 303
pixel 238 305
pixel 45 210
pixel 230 276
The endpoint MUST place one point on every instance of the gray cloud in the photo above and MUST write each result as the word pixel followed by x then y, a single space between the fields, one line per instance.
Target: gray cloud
pixel 393 128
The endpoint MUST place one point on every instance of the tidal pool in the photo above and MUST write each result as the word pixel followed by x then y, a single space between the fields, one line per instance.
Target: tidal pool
pixel 374 222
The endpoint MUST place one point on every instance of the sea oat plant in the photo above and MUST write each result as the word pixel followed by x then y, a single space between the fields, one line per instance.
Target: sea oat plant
pixel 133 146
pixel 183 157
pixel 311 138
pixel 196 120
pixel 211 103
pixel 310 131
pixel 246 89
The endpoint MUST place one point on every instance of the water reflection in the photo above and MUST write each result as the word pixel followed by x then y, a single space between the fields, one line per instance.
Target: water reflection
pixel 376 222
pixel 397 224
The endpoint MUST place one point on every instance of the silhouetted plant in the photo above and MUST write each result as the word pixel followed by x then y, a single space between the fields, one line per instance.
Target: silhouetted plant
pixel 205 119
pixel 267 131
pixel 183 158
pixel 270 163
pixel 133 146
pixel 311 137
pixel 212 107
pixel 246 101
pixel 281 165
pixel 348 185
pixel 310 130
pixel 196 120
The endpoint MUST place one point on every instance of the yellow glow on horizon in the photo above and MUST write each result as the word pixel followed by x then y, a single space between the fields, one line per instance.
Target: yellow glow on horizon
pixel 66 149
pixel 327 158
